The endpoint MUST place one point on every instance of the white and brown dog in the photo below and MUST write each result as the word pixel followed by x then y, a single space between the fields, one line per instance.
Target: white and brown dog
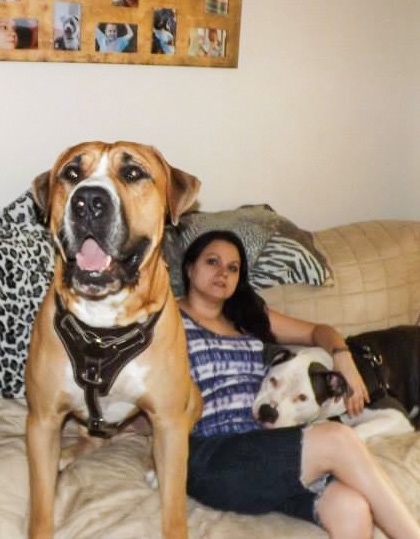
pixel 108 340
pixel 301 388
pixel 70 38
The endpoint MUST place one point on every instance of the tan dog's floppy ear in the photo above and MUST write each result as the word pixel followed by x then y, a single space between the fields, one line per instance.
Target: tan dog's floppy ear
pixel 41 193
pixel 182 189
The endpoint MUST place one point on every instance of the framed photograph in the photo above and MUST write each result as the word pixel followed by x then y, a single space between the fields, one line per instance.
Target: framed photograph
pixel 202 33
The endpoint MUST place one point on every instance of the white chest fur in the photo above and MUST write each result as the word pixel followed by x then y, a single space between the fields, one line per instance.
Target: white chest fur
pixel 121 400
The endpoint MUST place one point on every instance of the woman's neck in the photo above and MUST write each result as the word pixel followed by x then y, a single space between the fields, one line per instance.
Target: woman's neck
pixel 209 315
pixel 200 309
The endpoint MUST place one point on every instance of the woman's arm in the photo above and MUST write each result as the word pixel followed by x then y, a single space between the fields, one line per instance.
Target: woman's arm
pixel 288 330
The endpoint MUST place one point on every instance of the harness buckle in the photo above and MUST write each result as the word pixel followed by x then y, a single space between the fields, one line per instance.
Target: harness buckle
pixel 91 376
pixel 97 426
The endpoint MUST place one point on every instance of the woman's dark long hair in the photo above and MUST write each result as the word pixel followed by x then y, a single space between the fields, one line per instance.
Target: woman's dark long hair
pixel 245 308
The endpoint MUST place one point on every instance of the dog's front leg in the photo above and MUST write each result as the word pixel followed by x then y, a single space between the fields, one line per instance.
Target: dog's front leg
pixel 170 451
pixel 43 446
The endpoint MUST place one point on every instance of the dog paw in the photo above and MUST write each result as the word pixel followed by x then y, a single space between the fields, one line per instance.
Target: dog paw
pixel 151 479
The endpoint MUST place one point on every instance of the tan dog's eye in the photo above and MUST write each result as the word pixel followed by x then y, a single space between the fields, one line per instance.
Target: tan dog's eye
pixel 72 173
pixel 302 397
pixel 133 173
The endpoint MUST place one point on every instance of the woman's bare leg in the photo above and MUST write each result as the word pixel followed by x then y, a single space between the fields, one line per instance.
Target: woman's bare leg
pixel 333 447
pixel 345 513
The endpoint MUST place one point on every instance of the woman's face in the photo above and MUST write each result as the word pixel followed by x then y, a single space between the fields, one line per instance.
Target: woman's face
pixel 8 35
pixel 215 273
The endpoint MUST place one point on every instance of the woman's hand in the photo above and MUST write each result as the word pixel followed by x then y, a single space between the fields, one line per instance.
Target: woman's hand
pixel 355 402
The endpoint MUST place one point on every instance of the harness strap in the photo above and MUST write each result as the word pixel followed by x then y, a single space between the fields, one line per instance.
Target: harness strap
pixel 98 355
pixel 371 366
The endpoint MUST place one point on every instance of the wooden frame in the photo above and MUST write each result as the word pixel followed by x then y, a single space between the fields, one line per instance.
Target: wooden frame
pixel 173 32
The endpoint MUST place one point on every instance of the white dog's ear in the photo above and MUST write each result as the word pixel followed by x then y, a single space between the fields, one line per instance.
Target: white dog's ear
pixel 327 384
pixel 338 384
pixel 274 354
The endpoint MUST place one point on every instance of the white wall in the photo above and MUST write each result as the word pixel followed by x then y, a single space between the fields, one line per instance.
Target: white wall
pixel 321 119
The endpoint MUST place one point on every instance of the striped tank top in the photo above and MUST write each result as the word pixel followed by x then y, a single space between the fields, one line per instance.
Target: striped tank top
pixel 229 372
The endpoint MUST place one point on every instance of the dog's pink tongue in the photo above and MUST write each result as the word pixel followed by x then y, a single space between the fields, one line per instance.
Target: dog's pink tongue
pixel 91 257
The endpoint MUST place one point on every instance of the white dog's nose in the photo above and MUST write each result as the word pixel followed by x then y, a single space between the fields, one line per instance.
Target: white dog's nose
pixel 267 413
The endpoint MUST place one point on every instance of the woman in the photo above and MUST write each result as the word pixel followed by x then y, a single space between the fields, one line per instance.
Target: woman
pixel 8 34
pixel 322 473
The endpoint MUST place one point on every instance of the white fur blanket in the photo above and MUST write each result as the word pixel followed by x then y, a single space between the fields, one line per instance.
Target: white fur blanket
pixel 104 495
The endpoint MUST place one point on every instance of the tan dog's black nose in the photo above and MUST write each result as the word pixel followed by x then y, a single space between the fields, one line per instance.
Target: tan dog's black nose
pixel 91 203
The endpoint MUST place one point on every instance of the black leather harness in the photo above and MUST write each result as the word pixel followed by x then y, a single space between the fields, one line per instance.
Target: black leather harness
pixel 373 371
pixel 97 356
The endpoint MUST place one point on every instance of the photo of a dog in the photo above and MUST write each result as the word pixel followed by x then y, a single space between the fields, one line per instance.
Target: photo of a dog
pixel 67 19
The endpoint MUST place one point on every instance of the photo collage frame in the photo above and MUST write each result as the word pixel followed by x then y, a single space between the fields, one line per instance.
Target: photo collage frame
pixel 185 32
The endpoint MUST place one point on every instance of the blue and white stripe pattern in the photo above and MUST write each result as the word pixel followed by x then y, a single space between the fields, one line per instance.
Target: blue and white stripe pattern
pixel 229 372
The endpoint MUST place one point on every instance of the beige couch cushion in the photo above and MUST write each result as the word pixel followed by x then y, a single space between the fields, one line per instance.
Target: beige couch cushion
pixel 376 267
pixel 104 495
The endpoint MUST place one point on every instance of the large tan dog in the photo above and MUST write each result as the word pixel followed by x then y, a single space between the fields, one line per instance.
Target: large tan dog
pixel 108 340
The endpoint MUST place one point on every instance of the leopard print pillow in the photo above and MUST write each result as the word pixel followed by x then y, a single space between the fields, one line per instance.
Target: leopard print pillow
pixel 26 262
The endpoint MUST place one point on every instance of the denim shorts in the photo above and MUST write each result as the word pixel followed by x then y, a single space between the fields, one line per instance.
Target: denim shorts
pixel 253 473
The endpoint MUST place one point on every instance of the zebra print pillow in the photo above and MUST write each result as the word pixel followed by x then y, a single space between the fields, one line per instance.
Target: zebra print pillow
pixel 284 260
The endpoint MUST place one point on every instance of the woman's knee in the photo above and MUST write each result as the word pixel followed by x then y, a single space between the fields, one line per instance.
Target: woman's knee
pixel 331 436
pixel 345 513
pixel 326 446
pixel 338 432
